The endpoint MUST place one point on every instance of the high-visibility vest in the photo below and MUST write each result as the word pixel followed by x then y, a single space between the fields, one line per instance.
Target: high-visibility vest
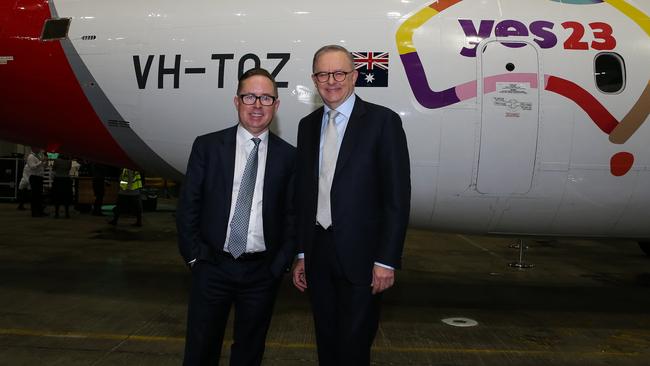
pixel 136 180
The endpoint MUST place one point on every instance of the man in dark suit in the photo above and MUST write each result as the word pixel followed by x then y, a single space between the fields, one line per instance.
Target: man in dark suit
pixel 235 227
pixel 353 199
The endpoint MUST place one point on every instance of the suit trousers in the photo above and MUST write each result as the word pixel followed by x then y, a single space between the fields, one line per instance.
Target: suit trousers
pixel 250 287
pixel 346 316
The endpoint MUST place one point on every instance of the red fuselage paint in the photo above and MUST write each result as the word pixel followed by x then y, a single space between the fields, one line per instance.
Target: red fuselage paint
pixel 41 102
pixel 621 163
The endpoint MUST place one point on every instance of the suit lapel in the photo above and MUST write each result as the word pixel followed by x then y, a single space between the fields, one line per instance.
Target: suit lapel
pixel 227 169
pixel 352 135
pixel 316 124
pixel 269 172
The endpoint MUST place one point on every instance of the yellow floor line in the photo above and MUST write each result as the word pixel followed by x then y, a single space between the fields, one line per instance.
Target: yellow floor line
pixel 311 346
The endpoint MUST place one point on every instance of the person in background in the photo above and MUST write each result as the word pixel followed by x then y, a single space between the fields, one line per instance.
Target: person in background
pixel 74 174
pixel 36 161
pixel 128 198
pixel 62 185
pixel 23 188
pixel 99 184
pixel 74 169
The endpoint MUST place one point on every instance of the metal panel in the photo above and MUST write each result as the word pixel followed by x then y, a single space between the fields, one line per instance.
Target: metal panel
pixel 509 118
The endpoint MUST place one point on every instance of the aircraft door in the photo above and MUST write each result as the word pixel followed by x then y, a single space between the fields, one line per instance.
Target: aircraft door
pixel 509 117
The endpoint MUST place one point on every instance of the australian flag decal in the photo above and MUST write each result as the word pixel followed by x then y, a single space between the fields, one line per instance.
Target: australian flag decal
pixel 372 67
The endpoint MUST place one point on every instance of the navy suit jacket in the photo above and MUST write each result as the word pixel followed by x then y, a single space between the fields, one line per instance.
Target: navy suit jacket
pixel 204 206
pixel 371 189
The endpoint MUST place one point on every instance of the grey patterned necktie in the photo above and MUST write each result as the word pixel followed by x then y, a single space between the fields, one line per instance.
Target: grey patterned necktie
pixel 241 216
pixel 328 166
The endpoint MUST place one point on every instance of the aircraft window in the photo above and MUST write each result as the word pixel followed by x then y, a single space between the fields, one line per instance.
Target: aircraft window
pixel 609 72
pixel 55 29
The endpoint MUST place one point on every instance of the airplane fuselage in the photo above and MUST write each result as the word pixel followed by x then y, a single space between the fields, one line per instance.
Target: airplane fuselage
pixel 509 130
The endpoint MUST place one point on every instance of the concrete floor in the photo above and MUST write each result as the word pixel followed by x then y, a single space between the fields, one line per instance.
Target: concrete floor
pixel 81 292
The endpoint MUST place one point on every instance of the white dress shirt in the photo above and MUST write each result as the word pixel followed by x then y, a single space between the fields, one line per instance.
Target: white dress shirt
pixel 244 146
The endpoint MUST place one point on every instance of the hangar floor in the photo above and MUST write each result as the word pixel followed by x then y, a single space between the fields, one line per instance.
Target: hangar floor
pixel 81 292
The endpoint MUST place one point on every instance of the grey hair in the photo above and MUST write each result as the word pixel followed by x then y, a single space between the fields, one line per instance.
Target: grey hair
pixel 331 48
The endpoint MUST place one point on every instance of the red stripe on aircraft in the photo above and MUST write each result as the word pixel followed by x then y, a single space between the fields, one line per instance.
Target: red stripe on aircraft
pixel 41 101
pixel 596 111
pixel 443 4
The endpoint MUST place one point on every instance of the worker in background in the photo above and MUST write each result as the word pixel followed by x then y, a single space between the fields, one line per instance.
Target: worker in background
pixel 62 185
pixel 99 187
pixel 23 187
pixel 75 166
pixel 128 198
pixel 36 161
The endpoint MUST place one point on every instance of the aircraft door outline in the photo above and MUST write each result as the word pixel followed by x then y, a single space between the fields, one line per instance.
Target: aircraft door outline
pixel 509 91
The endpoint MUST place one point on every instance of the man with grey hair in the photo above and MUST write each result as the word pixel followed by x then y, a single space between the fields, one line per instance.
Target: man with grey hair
pixel 353 214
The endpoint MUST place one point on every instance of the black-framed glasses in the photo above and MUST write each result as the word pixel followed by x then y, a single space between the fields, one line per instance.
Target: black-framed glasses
pixel 324 77
pixel 250 99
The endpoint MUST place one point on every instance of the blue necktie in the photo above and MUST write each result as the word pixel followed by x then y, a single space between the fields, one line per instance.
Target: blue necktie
pixel 241 216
